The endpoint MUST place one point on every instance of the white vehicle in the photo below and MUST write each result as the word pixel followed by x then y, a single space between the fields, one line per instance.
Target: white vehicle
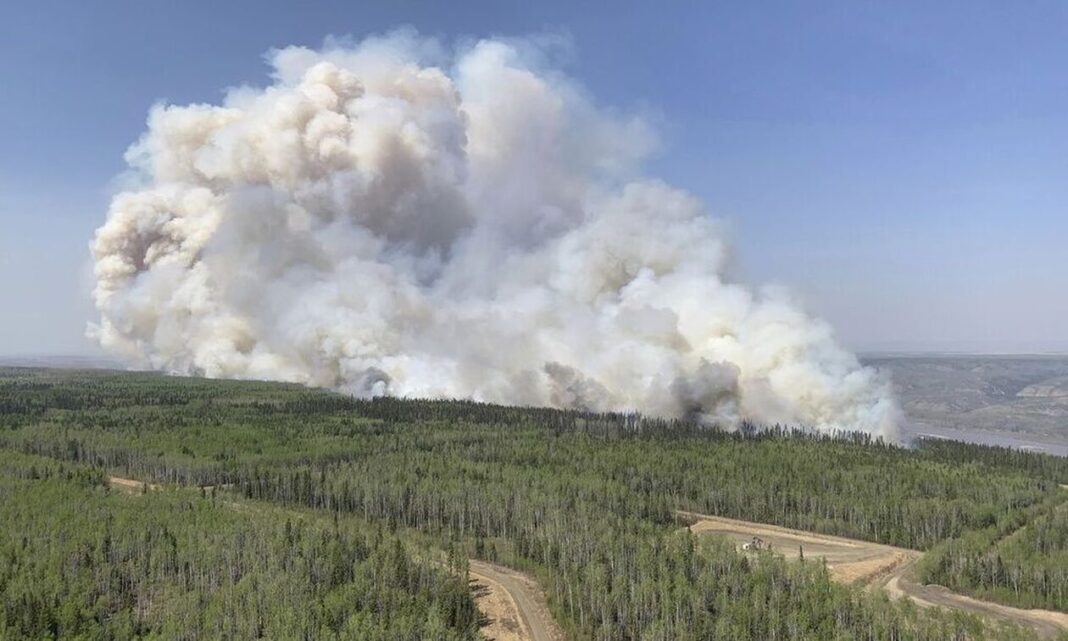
pixel 756 544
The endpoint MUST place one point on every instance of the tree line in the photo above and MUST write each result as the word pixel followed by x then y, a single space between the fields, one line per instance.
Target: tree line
pixel 586 502
pixel 78 561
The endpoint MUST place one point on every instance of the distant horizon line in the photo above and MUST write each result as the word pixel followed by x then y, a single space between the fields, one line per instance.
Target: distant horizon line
pixel 60 360
pixel 944 353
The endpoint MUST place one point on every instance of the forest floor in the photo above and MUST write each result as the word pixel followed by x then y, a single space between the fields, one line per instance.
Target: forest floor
pixel 872 566
pixel 512 603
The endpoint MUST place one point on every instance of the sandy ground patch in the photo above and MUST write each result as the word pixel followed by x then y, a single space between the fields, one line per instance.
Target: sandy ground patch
pixel 130 485
pixel 514 605
pixel 502 621
pixel 874 566
pixel 848 560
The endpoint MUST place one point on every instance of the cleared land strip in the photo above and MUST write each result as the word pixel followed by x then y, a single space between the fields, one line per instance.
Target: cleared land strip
pixel 515 609
pixel 130 485
pixel 871 565
pixel 512 603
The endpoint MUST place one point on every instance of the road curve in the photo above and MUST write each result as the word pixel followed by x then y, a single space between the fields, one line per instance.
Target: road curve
pixel 1046 623
pixel 522 614
pixel 527 598
pixel 519 611
pixel 873 566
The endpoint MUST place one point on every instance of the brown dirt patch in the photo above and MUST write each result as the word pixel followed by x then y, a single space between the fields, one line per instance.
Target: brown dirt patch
pixel 500 615
pixel 513 604
pixel 130 485
pixel 874 566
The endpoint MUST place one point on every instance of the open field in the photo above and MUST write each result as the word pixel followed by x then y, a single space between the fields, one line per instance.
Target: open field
pixel 872 566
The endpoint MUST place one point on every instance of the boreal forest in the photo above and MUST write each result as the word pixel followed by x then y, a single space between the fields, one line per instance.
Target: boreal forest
pixel 143 506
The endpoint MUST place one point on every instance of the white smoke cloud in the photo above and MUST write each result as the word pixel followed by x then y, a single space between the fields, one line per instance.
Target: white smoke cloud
pixel 387 219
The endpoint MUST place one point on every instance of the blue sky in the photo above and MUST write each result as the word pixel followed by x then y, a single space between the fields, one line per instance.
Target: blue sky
pixel 900 166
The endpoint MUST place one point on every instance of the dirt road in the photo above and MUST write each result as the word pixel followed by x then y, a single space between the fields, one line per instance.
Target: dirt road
pixel 513 604
pixel 515 609
pixel 130 485
pixel 873 566
pixel 849 561
pixel 1046 622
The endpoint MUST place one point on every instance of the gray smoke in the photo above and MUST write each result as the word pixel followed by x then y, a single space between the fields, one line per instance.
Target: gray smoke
pixel 387 219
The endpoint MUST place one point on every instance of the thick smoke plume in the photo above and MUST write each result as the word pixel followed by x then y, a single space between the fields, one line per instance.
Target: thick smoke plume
pixel 385 218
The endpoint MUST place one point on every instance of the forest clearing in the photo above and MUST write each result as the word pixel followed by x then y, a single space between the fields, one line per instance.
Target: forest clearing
pixel 511 603
pixel 872 566
pixel 302 514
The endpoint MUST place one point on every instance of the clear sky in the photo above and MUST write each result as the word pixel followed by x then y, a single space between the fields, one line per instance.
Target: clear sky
pixel 900 166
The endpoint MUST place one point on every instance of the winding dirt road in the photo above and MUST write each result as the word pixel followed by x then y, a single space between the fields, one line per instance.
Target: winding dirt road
pixel 873 566
pixel 513 604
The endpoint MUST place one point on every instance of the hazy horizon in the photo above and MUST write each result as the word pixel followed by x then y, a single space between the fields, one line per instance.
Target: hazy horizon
pixel 887 165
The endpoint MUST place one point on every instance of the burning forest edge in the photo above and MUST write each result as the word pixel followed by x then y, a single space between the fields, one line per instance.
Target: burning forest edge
pixel 582 502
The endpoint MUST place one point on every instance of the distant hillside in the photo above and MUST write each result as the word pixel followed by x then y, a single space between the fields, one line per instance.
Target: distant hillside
pixel 1056 387
pixel 1019 394
pixel 59 361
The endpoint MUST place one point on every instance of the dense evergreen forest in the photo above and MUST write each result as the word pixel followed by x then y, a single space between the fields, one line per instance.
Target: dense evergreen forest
pixel 79 562
pixel 585 502
pixel 1021 561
